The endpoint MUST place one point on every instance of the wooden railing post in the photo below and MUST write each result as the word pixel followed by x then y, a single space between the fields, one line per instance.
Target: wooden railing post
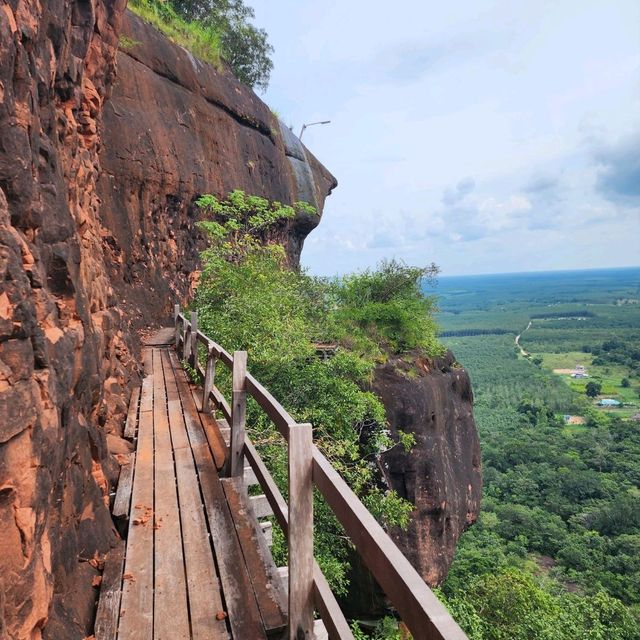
pixel 193 347
pixel 238 414
pixel 176 324
pixel 209 380
pixel 300 532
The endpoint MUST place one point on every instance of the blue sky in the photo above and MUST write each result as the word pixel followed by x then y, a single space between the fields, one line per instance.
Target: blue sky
pixel 486 136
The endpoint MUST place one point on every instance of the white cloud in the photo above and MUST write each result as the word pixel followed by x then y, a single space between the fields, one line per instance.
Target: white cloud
pixel 518 96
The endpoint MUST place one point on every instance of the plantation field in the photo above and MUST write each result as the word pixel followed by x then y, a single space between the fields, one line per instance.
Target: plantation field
pixel 560 518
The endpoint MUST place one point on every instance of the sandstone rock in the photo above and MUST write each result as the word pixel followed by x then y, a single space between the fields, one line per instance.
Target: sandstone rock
pixel 207 133
pixel 441 475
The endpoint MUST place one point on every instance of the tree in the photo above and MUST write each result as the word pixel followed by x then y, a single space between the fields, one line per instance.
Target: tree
pixel 625 383
pixel 593 389
pixel 244 46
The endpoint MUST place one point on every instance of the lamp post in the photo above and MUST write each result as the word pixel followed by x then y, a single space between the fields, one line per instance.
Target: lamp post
pixel 304 126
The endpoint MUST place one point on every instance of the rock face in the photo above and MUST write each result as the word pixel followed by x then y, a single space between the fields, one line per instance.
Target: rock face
pixel 441 476
pixel 63 361
pixel 95 210
pixel 206 133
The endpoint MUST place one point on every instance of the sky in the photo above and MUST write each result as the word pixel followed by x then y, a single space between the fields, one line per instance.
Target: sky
pixel 485 136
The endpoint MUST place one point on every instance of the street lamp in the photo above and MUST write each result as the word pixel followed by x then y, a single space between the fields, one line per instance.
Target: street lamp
pixel 304 126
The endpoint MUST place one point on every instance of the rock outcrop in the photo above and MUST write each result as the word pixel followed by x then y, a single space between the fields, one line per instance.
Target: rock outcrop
pixel 441 475
pixel 64 365
pixel 206 133
pixel 95 215
pixel 102 154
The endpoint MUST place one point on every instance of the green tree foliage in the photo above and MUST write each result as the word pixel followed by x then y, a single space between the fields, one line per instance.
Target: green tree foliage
pixel 513 605
pixel 248 299
pixel 244 46
pixel 387 306
pixel 560 506
pixel 593 389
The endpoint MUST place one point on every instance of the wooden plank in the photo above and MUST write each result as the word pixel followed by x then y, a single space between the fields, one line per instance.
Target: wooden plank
pixel 193 347
pixel 122 502
pixel 205 601
pixel 242 608
pixel 209 380
pixel 276 412
pixel 171 619
pixel 267 532
pixel 300 532
pixel 131 424
pixel 262 570
pixel 147 360
pixel 106 627
pixel 162 337
pixel 261 506
pixel 320 631
pixel 137 590
pixel 244 615
pixel 238 414
pixel 216 441
pixel 418 607
pixel 146 395
pixel 209 424
pixel 333 619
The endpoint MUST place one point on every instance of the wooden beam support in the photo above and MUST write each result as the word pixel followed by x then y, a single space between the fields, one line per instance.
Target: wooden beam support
pixel 238 414
pixel 209 380
pixel 193 346
pixel 300 532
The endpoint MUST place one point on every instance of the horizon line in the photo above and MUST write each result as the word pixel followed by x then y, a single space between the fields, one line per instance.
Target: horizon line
pixel 541 271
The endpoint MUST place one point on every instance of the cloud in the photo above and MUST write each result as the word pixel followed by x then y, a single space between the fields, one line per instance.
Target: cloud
pixel 451 197
pixel 542 185
pixel 619 170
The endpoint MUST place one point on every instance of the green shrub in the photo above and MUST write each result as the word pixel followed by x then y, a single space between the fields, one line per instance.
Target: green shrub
pixel 249 299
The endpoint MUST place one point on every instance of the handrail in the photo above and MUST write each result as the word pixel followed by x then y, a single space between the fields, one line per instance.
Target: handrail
pixel 420 610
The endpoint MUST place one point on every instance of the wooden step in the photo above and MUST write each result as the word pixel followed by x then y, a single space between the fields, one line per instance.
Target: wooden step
pixel 122 502
pixel 261 506
pixel 106 627
pixel 131 425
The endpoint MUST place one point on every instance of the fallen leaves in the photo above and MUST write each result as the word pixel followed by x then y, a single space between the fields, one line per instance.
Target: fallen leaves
pixel 129 576
pixel 97 581
pixel 221 615
pixel 147 514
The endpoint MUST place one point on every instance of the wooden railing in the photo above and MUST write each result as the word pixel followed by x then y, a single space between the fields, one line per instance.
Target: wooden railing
pixel 423 614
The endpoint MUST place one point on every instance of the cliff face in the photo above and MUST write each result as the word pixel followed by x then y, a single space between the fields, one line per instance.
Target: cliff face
pixel 441 475
pixel 205 133
pixel 63 362
pixel 96 234
pixel 98 174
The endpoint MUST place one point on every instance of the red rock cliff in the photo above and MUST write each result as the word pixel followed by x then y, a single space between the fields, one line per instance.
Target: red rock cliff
pixel 96 213
pixel 102 153
pixel 441 475
pixel 177 128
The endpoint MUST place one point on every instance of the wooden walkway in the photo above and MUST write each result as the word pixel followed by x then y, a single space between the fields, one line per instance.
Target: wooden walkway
pixel 195 563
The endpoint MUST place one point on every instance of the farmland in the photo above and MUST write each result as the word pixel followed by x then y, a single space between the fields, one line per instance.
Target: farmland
pixel 561 503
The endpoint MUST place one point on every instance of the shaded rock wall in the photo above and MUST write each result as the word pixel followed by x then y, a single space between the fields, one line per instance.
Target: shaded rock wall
pixel 177 128
pixel 63 361
pixel 441 476
pixel 96 236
